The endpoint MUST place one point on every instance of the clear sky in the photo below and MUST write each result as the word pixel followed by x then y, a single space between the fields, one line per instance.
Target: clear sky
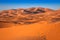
pixel 13 4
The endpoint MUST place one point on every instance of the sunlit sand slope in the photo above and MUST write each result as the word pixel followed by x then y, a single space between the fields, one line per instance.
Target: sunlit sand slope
pixel 50 31
pixel 30 24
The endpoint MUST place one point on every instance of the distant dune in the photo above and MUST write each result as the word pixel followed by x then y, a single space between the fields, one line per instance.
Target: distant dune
pixel 30 22
pixel 29 15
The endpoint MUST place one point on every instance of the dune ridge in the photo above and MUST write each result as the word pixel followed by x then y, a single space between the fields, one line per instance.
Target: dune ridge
pixel 29 16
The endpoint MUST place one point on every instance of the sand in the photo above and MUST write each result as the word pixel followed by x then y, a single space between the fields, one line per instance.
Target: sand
pixel 39 30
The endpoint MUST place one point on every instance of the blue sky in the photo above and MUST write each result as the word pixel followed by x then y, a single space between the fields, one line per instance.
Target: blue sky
pixel 13 4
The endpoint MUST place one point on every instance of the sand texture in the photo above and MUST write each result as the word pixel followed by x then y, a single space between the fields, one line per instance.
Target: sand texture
pixel 34 23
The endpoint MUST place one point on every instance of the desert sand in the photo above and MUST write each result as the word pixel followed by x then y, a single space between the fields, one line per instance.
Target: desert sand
pixel 30 24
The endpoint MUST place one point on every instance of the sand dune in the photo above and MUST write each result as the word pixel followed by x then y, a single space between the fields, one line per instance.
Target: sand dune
pixel 30 24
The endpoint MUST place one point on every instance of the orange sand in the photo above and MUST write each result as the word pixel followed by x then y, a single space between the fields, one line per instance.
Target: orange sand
pixel 51 31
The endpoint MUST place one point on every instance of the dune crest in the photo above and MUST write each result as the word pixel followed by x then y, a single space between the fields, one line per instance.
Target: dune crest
pixel 29 15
